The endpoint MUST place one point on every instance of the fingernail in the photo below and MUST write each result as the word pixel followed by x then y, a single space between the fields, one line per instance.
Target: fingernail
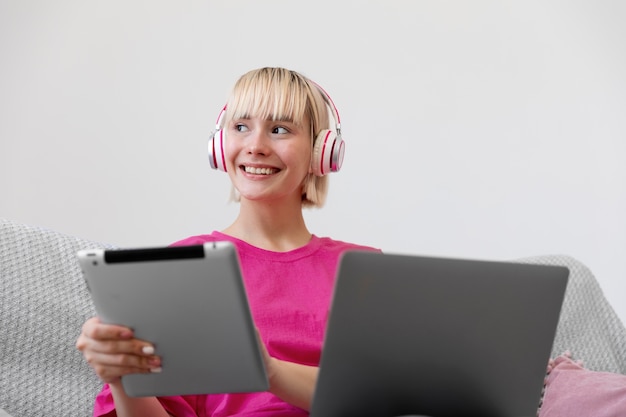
pixel 156 370
pixel 148 350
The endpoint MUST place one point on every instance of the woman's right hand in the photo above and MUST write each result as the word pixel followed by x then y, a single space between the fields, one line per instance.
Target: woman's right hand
pixel 112 351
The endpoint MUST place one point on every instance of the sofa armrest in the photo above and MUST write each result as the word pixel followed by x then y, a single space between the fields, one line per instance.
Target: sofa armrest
pixel 588 327
pixel 43 303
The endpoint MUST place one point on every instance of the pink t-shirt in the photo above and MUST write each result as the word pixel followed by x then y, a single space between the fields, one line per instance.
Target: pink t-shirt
pixel 289 295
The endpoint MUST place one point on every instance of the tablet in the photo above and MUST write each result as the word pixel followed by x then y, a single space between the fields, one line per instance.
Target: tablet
pixel 190 302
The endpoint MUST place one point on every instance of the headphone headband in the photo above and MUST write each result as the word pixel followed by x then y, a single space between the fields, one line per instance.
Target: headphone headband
pixel 332 106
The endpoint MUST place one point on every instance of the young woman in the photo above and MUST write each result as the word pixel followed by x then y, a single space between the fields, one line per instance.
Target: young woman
pixel 276 141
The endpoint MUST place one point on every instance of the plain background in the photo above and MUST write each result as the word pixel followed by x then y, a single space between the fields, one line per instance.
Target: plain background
pixel 477 129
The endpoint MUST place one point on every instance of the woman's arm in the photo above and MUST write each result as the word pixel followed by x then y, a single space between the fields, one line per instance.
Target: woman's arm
pixel 292 382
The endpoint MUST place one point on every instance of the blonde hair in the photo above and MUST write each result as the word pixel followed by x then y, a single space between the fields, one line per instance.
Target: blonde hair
pixel 282 94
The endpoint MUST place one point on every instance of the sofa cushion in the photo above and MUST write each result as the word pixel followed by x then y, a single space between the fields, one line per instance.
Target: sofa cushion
pixel 588 327
pixel 43 303
pixel 572 391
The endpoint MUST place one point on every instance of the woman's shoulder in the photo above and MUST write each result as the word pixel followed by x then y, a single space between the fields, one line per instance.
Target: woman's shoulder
pixel 200 239
pixel 340 245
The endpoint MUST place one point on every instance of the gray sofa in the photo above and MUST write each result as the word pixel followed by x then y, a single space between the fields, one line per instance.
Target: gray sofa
pixel 43 303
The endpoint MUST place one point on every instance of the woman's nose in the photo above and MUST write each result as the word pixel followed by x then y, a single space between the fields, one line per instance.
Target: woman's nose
pixel 258 143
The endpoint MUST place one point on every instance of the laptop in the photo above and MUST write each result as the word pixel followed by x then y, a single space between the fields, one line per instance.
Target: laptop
pixel 438 337
pixel 189 301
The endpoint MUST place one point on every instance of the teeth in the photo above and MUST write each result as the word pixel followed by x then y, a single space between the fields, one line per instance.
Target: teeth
pixel 259 171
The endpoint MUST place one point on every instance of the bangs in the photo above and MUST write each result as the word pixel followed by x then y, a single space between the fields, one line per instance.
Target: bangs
pixel 271 95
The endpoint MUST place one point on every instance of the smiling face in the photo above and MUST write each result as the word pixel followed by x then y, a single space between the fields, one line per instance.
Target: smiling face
pixel 267 159
pixel 269 127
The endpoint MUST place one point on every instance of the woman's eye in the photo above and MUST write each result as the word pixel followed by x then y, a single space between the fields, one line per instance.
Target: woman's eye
pixel 280 130
pixel 241 127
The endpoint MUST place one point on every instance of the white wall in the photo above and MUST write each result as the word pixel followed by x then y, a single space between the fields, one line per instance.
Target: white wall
pixel 489 129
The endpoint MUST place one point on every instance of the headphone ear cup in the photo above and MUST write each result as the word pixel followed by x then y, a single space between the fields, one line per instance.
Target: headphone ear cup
pixel 216 150
pixel 328 151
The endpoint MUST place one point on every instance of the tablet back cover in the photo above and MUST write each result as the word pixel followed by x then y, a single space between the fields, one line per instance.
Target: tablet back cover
pixel 190 302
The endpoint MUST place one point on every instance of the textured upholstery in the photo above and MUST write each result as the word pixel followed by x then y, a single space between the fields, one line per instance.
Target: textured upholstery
pixel 588 327
pixel 43 303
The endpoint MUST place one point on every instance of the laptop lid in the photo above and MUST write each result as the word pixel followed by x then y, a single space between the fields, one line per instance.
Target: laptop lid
pixel 411 335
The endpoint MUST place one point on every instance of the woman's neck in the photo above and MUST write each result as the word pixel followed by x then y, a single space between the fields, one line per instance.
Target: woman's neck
pixel 279 228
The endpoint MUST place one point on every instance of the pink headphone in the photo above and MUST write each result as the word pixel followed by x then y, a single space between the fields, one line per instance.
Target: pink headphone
pixel 328 148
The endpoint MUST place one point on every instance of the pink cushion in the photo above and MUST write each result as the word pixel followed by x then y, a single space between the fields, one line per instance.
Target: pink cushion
pixel 572 390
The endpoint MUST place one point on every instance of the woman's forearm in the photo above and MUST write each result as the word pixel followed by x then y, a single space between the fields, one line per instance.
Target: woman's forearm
pixel 293 383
